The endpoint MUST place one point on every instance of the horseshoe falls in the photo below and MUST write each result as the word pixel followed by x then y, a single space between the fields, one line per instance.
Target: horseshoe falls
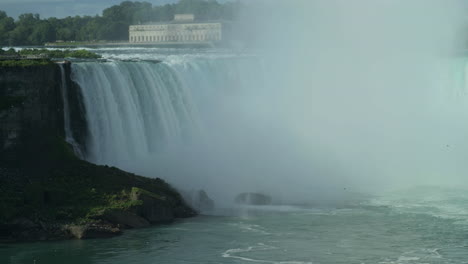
pixel 349 121
pixel 167 119
pixel 221 122
pixel 135 109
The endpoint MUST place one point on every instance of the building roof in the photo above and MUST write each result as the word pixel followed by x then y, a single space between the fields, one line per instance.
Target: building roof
pixel 180 22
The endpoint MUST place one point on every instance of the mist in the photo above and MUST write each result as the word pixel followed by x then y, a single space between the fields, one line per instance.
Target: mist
pixel 372 83
pixel 326 99
pixel 356 96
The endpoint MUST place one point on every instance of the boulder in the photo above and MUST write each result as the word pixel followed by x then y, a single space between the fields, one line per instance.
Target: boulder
pixel 202 202
pixel 94 230
pixel 154 208
pixel 128 219
pixel 199 200
pixel 253 199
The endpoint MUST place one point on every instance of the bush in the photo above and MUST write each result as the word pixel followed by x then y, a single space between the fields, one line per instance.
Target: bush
pixel 80 54
pixel 24 63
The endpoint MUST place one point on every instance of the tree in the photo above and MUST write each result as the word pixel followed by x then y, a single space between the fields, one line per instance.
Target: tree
pixel 6 25
pixel 41 33
pixel 113 24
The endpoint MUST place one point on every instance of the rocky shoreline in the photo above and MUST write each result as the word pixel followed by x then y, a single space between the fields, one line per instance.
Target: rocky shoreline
pixel 82 200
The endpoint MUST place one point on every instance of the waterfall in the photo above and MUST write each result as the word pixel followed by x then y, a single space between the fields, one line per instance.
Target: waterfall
pixel 181 119
pixel 133 109
pixel 69 138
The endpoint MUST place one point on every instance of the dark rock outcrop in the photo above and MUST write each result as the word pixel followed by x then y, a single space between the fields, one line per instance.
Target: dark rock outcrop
pixel 199 200
pixel 253 199
pixel 35 116
pixel 46 192
pixel 93 230
pixel 127 218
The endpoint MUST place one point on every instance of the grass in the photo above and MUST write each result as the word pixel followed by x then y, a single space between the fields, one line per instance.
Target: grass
pixel 24 63
pixel 80 54
pixel 43 56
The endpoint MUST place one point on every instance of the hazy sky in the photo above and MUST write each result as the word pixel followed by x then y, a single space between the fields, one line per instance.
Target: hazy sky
pixel 62 8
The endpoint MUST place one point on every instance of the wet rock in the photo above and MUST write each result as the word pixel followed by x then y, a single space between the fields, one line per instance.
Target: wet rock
pixel 24 223
pixel 126 218
pixel 199 200
pixel 202 202
pixel 253 199
pixel 45 187
pixel 154 208
pixel 94 230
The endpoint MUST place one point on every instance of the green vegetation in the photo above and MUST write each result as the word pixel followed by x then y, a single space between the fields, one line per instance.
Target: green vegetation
pixel 112 25
pixel 9 52
pixel 75 191
pixel 24 63
pixel 40 57
pixel 82 54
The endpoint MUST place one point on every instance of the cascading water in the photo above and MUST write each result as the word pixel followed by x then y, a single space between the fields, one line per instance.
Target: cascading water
pixel 133 109
pixel 214 122
pixel 359 99
pixel 142 114
pixel 66 114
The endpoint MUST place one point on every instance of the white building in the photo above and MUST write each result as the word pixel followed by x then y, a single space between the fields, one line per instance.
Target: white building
pixel 183 29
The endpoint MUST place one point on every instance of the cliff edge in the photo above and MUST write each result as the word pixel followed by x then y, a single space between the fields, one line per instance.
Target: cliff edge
pixel 46 192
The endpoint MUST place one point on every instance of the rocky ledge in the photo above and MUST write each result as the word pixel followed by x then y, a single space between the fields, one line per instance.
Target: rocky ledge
pixel 82 200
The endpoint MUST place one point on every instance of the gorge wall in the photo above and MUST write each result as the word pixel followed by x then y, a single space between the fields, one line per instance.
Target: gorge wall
pixel 46 192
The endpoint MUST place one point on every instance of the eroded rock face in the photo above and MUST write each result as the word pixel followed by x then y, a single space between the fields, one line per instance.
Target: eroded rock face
pixel 253 199
pixel 34 91
pixel 199 200
pixel 203 202
pixel 31 113
pixel 94 230
pixel 154 208
pixel 126 218
pixel 45 190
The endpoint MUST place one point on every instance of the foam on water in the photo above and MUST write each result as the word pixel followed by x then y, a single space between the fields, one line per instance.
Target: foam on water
pixel 235 253
pixel 433 201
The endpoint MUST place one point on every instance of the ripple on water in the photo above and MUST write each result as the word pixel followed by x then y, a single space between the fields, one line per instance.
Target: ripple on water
pixel 235 253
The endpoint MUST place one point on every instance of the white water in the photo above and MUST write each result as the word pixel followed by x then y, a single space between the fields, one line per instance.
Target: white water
pixel 66 115
pixel 212 120
pixel 178 119
pixel 133 109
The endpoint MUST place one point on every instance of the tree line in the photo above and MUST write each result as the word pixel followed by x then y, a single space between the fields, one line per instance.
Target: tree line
pixel 112 25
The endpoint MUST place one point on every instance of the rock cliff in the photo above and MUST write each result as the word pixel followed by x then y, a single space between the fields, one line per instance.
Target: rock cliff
pixel 46 192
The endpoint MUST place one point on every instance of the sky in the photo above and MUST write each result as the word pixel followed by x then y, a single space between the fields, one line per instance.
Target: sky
pixel 63 8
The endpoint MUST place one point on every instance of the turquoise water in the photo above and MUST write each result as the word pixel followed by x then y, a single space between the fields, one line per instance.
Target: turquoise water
pixel 416 226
